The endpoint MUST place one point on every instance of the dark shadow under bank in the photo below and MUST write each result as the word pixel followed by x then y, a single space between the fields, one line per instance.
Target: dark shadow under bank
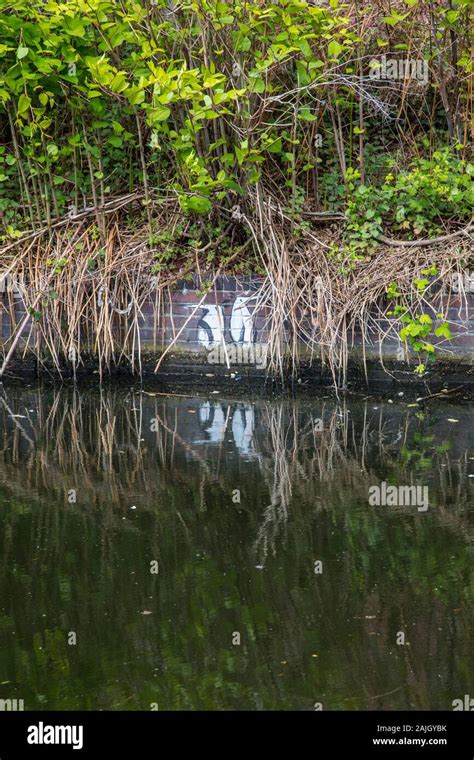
pixel 190 373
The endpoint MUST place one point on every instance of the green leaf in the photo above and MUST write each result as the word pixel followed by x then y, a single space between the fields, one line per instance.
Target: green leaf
pixel 257 85
pixel 22 52
pixel 159 113
pixel 119 83
pixel 306 115
pixel 24 103
pixel 443 331
pixel 305 48
pixel 334 49
pixel 74 26
pixel 244 45
pixel 275 146
pixel 198 204
pixel 394 18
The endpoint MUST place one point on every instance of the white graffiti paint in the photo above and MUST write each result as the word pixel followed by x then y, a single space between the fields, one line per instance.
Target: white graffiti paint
pixel 121 312
pixel 213 325
pixel 241 321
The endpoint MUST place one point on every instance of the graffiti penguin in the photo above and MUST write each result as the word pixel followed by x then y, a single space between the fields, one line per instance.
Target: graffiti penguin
pixel 211 325
pixel 241 321
pixel 216 327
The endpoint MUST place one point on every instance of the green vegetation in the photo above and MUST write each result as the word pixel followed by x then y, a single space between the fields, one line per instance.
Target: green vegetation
pixel 195 127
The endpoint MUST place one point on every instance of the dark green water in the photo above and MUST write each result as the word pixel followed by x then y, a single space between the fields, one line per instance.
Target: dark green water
pixel 156 480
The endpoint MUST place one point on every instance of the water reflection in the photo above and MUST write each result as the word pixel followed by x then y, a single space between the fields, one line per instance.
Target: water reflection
pixel 236 502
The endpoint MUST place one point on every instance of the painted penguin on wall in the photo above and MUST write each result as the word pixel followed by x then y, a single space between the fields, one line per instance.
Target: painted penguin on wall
pixel 211 325
pixel 241 321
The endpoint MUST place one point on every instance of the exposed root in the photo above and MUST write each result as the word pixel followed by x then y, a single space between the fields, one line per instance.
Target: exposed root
pixel 84 289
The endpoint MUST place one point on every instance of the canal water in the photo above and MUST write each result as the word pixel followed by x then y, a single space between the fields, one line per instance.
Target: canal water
pixel 165 552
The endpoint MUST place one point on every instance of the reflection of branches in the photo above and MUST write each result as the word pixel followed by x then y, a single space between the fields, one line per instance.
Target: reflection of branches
pixel 306 458
pixel 304 464
pixel 15 421
pixel 104 447
pixel 277 472
pixel 186 446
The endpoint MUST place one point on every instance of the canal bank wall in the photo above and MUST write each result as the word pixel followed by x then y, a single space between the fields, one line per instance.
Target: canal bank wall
pixel 212 335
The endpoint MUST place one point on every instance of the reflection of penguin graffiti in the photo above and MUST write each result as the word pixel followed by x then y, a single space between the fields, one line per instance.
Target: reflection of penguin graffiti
pixel 213 422
pixel 243 424
pixel 215 327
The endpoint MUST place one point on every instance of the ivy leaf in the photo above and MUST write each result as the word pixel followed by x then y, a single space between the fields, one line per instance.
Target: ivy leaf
pixel 425 319
pixel 443 331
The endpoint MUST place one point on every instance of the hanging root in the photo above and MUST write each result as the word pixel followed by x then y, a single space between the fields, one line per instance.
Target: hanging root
pixel 318 300
pixel 84 288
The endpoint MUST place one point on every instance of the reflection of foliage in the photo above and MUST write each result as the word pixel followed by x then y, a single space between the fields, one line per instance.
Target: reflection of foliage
pixel 85 567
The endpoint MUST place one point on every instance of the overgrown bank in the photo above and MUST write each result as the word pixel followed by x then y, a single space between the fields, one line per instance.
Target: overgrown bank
pixel 325 146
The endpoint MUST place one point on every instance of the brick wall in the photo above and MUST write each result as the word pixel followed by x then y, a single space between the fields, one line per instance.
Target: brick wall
pixel 228 312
